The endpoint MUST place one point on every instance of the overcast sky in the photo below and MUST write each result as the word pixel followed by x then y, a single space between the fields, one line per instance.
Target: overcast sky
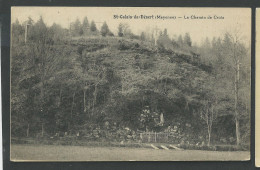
pixel 234 18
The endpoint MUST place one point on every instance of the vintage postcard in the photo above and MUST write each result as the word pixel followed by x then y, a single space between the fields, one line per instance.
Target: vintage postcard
pixel 130 84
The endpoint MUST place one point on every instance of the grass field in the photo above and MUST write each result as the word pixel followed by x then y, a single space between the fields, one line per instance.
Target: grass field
pixel 82 153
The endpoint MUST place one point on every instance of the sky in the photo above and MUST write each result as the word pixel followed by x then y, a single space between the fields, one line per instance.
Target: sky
pixel 199 29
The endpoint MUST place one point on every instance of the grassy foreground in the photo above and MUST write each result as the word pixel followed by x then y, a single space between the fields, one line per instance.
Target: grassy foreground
pixel 82 153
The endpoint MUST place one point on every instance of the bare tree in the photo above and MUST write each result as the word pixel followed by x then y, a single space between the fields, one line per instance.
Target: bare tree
pixel 235 52
pixel 209 114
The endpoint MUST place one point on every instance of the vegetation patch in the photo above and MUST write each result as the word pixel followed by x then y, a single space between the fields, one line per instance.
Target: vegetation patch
pixel 82 85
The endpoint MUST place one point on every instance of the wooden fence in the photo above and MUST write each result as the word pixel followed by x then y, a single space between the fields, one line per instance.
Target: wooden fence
pixel 154 137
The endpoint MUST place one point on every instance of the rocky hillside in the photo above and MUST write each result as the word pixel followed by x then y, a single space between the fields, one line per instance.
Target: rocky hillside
pixel 108 84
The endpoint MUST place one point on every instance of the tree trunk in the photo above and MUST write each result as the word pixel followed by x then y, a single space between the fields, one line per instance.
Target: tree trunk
pixel 26 32
pixel 42 94
pixel 165 83
pixel 94 99
pixel 237 131
pixel 153 103
pixel 84 101
pixel 209 136
pixel 73 96
pixel 236 104
pixel 68 125
pixel 28 130
pixel 60 97
pixel 42 129
pixel 89 106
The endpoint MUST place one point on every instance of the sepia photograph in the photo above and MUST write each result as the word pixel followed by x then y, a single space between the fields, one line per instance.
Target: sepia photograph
pixel 130 84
